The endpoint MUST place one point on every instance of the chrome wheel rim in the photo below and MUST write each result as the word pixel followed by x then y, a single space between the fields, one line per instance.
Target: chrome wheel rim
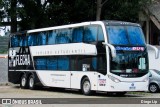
pixel 153 88
pixel 31 82
pixel 86 86
pixel 23 82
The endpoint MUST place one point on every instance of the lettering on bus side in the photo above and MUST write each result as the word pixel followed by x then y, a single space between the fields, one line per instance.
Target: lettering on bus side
pixel 18 59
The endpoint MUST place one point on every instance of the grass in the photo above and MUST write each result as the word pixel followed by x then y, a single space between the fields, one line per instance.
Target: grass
pixel 139 93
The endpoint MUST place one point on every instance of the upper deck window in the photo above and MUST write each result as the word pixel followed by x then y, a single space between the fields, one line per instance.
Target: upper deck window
pixel 77 35
pixel 41 38
pixel 135 35
pixel 125 35
pixel 51 37
pixel 15 41
pixel 23 40
pixel 90 34
pixel 117 35
pixel 63 36
pixel 32 39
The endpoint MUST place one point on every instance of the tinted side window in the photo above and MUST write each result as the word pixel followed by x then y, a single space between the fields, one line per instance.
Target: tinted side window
pixel 89 63
pixel 32 41
pixel 90 34
pixel 15 41
pixel 100 34
pixel 64 36
pixel 52 63
pixel 84 63
pixel 23 40
pixel 77 35
pixel 40 63
pixel 63 63
pixel 51 37
pixel 41 38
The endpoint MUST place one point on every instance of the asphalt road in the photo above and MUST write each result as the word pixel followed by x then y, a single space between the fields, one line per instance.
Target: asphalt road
pixel 66 96
pixel 17 92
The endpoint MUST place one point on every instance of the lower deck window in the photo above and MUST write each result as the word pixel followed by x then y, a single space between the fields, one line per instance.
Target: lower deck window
pixel 71 63
pixel 89 63
pixel 52 63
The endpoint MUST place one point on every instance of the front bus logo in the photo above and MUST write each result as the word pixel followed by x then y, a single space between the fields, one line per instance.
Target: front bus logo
pixel 132 84
pixel 132 87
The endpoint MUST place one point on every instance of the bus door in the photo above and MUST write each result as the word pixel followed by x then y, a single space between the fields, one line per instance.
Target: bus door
pixel 102 71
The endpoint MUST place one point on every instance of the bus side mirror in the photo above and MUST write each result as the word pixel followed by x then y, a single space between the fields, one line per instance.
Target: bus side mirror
pixel 113 50
pixel 156 50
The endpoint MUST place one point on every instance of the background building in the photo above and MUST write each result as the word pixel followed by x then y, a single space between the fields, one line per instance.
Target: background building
pixel 150 21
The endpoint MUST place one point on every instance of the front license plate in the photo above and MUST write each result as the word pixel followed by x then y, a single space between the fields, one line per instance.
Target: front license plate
pixel 132 88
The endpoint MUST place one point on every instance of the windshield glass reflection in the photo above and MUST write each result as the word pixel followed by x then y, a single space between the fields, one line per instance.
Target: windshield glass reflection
pixel 125 35
pixel 129 62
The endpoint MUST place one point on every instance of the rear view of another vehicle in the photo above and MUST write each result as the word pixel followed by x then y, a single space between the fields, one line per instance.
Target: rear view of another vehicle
pixel 154 81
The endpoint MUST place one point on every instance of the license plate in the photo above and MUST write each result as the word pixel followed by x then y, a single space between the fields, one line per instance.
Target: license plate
pixel 132 88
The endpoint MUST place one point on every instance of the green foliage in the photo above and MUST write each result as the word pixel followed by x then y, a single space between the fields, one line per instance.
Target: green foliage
pixel 125 10
pixel 34 14
pixel 53 12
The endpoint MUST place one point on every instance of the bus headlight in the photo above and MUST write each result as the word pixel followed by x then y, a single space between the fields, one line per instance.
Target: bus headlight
pixel 113 79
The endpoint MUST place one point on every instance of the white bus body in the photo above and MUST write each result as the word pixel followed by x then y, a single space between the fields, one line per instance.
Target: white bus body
pixel 51 65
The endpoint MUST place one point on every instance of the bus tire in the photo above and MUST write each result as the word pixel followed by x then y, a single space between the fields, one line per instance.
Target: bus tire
pixel 31 82
pixel 24 82
pixel 86 86
pixel 153 88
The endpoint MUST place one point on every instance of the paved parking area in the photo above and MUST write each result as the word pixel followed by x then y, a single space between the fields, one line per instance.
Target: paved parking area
pixel 17 92
pixel 62 95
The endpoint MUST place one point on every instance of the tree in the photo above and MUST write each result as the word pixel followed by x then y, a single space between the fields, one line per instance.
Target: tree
pixel 34 14
pixel 13 15
pixel 3 14
pixel 125 10
pixel 100 4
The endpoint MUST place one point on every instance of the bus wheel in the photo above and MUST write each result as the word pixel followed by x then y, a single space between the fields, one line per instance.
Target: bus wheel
pixel 32 82
pixel 86 86
pixel 24 83
pixel 153 88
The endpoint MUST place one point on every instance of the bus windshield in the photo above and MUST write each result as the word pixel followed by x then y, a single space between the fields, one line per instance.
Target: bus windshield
pixel 125 35
pixel 129 62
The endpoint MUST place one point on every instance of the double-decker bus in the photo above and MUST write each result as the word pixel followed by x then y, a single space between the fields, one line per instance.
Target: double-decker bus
pixel 108 56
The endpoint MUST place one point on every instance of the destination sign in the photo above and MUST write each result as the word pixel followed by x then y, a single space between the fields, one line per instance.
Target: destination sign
pixel 130 48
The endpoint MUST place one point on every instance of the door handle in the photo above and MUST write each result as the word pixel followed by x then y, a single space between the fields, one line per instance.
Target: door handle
pixel 99 76
pixel 71 74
